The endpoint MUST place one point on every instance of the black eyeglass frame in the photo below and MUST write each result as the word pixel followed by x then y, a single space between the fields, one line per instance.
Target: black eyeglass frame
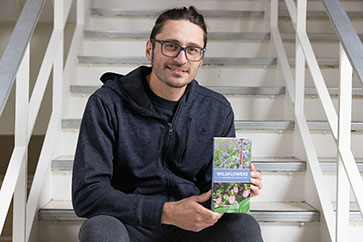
pixel 161 42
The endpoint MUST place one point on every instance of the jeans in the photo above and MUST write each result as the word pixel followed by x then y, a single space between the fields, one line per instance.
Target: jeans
pixel 231 228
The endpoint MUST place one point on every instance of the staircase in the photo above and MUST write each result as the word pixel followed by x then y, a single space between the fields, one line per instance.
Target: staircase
pixel 241 64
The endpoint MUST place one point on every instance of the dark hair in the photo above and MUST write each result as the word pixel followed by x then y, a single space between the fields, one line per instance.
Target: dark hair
pixel 191 14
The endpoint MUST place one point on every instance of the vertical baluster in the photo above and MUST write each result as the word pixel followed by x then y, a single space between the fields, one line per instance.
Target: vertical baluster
pixel 21 140
pixel 58 61
pixel 81 11
pixel 274 13
pixel 267 16
pixel 344 129
pixel 300 57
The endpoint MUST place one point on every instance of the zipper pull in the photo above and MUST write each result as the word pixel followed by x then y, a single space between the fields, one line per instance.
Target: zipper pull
pixel 170 129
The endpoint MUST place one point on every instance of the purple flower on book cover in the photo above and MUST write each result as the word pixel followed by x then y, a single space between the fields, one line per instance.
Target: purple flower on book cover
pixel 235 189
pixel 245 193
pixel 245 154
pixel 231 199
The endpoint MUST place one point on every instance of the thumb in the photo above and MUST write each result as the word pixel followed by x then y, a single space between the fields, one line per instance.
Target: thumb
pixel 203 197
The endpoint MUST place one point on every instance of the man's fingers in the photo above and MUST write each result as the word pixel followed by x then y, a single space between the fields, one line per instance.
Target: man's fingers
pixel 257 183
pixel 254 190
pixel 203 197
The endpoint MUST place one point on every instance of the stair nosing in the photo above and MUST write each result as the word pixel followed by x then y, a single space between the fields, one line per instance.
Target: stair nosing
pixel 61 165
pixel 307 214
pixel 213 35
pixel 208 61
pixel 250 125
pixel 232 90
pixel 278 164
pixel 283 14
pixel 155 12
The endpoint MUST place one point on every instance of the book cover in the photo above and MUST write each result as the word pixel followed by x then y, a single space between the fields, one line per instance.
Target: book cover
pixel 231 175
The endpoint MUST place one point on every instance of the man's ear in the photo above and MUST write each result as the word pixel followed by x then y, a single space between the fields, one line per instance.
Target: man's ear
pixel 149 50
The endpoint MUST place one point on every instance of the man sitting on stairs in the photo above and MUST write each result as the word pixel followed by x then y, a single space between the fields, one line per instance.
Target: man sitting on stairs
pixel 142 168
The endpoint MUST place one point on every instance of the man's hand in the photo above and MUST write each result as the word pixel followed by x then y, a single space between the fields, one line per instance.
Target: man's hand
pixel 189 214
pixel 256 181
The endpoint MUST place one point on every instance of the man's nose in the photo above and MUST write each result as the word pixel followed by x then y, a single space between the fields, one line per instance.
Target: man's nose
pixel 181 57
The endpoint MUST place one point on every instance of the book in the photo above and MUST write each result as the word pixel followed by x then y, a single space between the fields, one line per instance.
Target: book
pixel 231 176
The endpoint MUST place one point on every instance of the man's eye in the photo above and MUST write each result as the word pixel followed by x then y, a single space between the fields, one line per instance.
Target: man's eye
pixel 171 46
pixel 193 50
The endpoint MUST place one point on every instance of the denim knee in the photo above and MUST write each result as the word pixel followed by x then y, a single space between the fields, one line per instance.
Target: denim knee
pixel 103 228
pixel 243 226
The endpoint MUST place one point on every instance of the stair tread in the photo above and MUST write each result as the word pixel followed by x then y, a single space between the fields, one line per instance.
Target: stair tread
pixel 213 35
pixel 262 211
pixel 62 210
pixel 251 125
pixel 255 206
pixel 283 164
pixel 211 13
pixel 219 61
pixel 264 164
pixel 156 12
pixel 146 35
pixel 233 90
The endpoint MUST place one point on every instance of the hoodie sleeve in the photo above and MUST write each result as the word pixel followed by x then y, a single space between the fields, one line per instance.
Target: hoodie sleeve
pixel 205 175
pixel 92 192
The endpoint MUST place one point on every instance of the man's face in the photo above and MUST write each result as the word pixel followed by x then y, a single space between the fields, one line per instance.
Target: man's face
pixel 179 71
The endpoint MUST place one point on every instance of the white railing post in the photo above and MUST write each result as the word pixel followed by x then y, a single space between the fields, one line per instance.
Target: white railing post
pixel 58 60
pixel 58 67
pixel 274 13
pixel 344 136
pixel 267 15
pixel 21 140
pixel 81 11
pixel 313 162
pixel 300 58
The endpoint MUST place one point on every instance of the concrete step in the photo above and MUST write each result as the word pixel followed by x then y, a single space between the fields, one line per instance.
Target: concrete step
pixel 146 22
pixel 208 61
pixel 263 164
pixel 249 21
pixel 313 5
pixel 215 48
pixel 217 75
pixel 155 12
pixel 268 142
pixel 263 212
pixel 232 90
pixel 287 173
pixel 270 107
pixel 282 164
pixel 250 125
pixel 97 34
pixel 200 4
pixel 112 12
pixel 291 222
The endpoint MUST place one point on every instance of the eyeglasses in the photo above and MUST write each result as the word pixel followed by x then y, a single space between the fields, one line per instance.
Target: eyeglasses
pixel 172 49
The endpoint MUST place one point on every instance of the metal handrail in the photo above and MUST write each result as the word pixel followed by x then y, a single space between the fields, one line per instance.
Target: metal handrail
pixel 17 45
pixel 349 38
pixel 13 188
pixel 340 125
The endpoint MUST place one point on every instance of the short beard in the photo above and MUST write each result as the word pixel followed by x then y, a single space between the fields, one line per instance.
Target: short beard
pixel 167 82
